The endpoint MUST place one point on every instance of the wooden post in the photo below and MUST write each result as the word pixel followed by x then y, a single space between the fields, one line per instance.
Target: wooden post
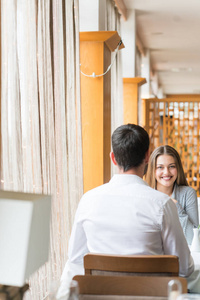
pixel 130 98
pixel 95 57
pixel 144 113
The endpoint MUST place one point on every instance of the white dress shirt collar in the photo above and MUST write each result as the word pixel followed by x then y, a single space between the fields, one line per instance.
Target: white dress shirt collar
pixel 121 179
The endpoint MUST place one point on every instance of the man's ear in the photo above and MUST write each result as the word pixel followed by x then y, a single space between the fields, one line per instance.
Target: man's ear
pixel 147 155
pixel 112 157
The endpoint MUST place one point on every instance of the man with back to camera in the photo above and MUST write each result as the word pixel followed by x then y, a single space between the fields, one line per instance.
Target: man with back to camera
pixel 125 216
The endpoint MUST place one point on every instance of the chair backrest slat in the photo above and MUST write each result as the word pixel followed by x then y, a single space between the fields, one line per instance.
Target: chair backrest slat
pixel 133 264
pixel 126 285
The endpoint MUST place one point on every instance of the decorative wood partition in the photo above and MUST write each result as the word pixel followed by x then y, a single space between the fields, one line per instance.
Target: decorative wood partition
pixel 175 121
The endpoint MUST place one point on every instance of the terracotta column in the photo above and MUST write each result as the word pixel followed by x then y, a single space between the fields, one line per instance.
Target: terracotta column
pixel 130 98
pixel 95 57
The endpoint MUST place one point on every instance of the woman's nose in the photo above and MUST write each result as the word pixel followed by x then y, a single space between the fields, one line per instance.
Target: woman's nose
pixel 166 170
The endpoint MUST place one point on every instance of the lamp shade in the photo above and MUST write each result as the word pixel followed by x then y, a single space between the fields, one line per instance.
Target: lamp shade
pixel 24 235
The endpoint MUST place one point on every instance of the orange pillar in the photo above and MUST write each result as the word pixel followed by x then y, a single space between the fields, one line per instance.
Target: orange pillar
pixel 95 57
pixel 130 98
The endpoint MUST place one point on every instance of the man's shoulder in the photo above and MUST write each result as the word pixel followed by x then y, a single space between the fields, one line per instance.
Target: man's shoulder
pixel 139 189
pixel 152 193
pixel 97 190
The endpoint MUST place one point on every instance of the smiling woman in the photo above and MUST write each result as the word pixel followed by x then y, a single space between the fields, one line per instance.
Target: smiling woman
pixel 165 174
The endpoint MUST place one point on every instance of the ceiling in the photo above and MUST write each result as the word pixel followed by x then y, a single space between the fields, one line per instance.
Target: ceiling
pixel 171 30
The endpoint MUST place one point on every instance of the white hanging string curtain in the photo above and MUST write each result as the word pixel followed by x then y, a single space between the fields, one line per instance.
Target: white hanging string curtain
pixel 40 116
pixel 113 24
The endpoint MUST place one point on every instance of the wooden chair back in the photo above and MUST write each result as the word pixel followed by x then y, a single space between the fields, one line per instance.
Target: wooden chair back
pixel 126 285
pixel 147 265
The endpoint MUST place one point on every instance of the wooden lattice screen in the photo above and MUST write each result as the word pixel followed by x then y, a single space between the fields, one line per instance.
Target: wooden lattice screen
pixel 176 122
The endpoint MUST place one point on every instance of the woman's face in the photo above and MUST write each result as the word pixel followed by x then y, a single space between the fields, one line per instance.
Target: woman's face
pixel 166 171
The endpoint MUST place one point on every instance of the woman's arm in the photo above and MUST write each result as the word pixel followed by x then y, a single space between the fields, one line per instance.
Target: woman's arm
pixel 174 242
pixel 188 215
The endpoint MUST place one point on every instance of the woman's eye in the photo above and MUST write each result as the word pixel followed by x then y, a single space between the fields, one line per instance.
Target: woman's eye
pixel 172 167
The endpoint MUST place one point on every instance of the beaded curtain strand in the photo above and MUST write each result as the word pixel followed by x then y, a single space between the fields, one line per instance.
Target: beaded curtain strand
pixel 40 113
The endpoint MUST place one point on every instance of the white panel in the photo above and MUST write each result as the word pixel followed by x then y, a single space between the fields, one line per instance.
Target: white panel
pixel 92 15
pixel 129 39
pixel 145 72
pixel 15 221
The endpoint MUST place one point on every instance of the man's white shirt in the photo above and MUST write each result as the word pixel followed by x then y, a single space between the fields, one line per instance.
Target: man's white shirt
pixel 125 216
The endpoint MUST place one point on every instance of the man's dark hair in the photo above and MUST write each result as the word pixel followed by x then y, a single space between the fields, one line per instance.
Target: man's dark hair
pixel 130 143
